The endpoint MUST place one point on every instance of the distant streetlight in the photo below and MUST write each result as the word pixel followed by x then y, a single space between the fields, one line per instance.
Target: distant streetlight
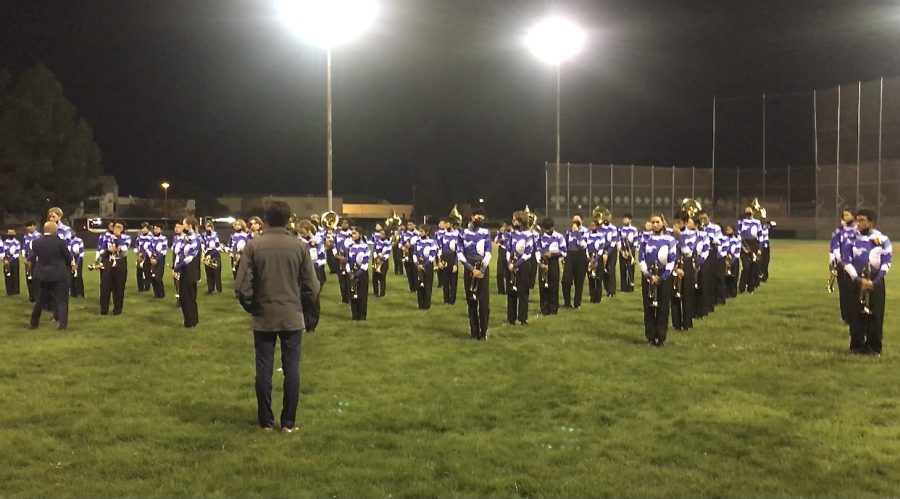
pixel 481 200
pixel 555 40
pixel 326 24
pixel 165 186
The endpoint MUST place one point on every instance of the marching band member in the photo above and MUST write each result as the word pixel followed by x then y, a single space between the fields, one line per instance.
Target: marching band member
pixel 188 272
pixel 141 255
pixel 657 260
pixel 867 261
pixel 382 253
pixel 159 246
pixel 115 274
pixel 255 227
pixel 552 248
pixel 407 248
pixel 423 258
pixel 76 249
pixel 474 253
pixel 31 233
pixel 611 255
pixel 212 258
pixel 449 246
pixel 502 252
pixel 308 233
pixel 683 288
pixel 439 263
pixel 575 267
pixel 709 273
pixel 845 234
pixel 628 239
pixel 11 251
pixel 749 229
pixel 319 237
pixel 356 267
pixel 178 240
pixel 536 254
pixel 342 241
pixel 63 231
pixel 395 250
pixel 236 244
pixel 597 244
pixel 765 225
pixel 521 247
pixel 730 252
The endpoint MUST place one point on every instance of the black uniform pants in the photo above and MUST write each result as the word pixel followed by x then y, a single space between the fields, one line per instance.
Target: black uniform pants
pixel 424 286
pixel 12 280
pixel 609 274
pixel 502 270
pixel 626 274
pixel 574 272
pixel 187 292
pixel 342 283
pixel 478 304
pixel 451 278
pixel 656 319
pixel 320 275
pixel 56 292
pixel 156 278
pixel 31 285
pixel 749 267
pixel 517 297
pixel 409 268
pixel 359 306
pixel 112 284
pixel 595 283
pixel 683 306
pixel 866 329
pixel 846 290
pixel 708 283
pixel 731 278
pixel 549 290
pixel 764 268
pixel 76 285
pixel 214 275
pixel 379 279
pixel 398 259
pixel 139 276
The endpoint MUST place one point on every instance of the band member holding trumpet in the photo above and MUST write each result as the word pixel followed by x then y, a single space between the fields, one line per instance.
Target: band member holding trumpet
pixel 381 252
pixel 159 247
pixel 236 244
pixel 187 271
pixel 521 249
pixel 408 239
pixel 52 264
pixel 474 253
pixel 342 241
pixel 423 258
pixel 597 246
pixel 656 258
pixel 867 261
pixel 356 268
pixel 611 234
pixel 10 255
pixel 685 275
pixel 730 254
pixel 844 235
pixel 76 249
pixel 575 267
pixel 449 246
pixel 710 271
pixel 749 228
pixel 31 234
pixel 212 258
pixel 500 240
pixel 115 274
pixel 628 240
pixel 142 258
pixel 551 249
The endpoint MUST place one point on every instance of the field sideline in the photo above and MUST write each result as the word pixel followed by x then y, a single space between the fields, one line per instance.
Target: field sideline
pixel 759 400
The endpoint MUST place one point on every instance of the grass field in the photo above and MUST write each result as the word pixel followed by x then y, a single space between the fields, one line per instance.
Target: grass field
pixel 759 400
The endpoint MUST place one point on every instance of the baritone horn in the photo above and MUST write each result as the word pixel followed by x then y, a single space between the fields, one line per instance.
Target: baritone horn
pixel 455 217
pixel 691 206
pixel 330 220
pixel 600 213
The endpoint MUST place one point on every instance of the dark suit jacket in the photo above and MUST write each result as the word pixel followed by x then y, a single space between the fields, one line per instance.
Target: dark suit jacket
pixel 50 259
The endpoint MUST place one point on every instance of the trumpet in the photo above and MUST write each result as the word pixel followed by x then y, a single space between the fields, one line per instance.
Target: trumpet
pixel 209 261
pixel 678 280
pixel 473 286
pixel 728 265
pixel 379 259
pixel 652 293
pixel 545 271
pixel 746 249
pixel 96 266
pixel 7 268
pixel 832 277
pixel 420 275
pixel 153 262
pixel 865 294
pixel 512 280
pixel 354 284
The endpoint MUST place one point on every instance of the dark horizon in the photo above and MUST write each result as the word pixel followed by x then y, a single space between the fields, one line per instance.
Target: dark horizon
pixel 220 95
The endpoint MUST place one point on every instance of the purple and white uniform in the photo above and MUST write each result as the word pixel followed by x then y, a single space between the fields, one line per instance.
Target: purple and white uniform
pixel 357 258
pixel 658 251
pixel 521 247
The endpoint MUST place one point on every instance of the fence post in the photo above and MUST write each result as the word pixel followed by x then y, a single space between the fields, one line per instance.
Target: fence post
pixel 737 198
pixel 652 188
pixel 612 199
pixel 673 189
pixel 789 190
pixel 632 189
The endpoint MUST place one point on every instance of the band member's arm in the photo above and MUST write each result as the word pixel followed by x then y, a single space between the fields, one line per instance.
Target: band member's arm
pixel 190 251
pixel 886 257
pixel 642 260
pixel 363 267
pixel 561 245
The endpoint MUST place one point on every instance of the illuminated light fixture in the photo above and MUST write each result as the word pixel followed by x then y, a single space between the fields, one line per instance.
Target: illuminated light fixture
pixel 328 23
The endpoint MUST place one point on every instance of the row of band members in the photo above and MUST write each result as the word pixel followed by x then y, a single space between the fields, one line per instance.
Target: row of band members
pixel 589 253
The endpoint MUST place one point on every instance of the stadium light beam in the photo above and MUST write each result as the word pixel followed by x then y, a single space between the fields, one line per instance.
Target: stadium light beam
pixel 165 186
pixel 327 24
pixel 555 40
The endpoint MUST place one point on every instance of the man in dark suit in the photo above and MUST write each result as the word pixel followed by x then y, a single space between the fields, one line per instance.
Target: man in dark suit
pixel 51 267
pixel 277 285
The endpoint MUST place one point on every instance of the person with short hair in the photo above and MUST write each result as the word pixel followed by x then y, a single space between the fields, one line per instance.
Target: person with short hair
pixel 474 253
pixel 141 247
pixel 51 264
pixel 187 271
pixel 212 258
pixel 552 248
pixel 159 247
pixel 76 248
pixel 357 272
pixel 276 284
pixel 381 252
pixel 115 274
pixel 867 261
pixel 63 231
pixel 521 247
pixel 31 233
pixel 628 240
pixel 575 267
pixel 424 256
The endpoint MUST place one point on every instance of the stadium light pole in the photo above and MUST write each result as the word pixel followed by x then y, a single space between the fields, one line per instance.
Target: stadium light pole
pixel 327 24
pixel 555 40
pixel 165 186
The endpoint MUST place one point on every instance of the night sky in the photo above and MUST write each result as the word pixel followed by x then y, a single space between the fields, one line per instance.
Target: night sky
pixel 441 93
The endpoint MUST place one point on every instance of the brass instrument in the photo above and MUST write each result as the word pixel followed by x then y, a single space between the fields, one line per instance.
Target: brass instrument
pixel 420 275
pixel 354 283
pixel 865 294
pixel 96 266
pixel 113 256
pixel 746 249
pixel 7 268
pixel 379 259
pixel 209 261
pixel 758 211
pixel 153 262
pixel 545 271
pixel 652 292
pixel 691 206
pixel 678 280
pixel 455 217
pixel 330 220
pixel 511 285
pixel 473 286
pixel 832 277
pixel 600 214
pixel 728 265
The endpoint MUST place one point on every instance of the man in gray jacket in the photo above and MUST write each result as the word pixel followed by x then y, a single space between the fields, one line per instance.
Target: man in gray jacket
pixel 275 282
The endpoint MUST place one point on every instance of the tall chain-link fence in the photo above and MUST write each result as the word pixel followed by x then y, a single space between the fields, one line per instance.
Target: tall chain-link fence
pixel 805 156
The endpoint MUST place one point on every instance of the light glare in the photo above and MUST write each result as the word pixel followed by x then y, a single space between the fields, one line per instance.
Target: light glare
pixel 327 23
pixel 555 39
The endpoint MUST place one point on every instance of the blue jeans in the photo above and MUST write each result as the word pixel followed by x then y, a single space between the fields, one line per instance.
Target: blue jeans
pixel 264 344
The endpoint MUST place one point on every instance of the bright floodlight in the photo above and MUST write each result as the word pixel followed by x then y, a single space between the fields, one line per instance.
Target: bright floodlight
pixel 555 39
pixel 327 23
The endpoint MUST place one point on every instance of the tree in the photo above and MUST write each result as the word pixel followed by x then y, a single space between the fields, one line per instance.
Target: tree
pixel 48 156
